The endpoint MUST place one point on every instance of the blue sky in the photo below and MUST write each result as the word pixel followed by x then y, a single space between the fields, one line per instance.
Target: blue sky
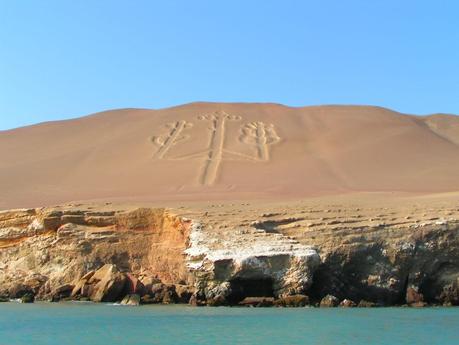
pixel 61 59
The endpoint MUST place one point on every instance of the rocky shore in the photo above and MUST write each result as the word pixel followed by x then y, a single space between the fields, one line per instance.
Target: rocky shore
pixel 295 255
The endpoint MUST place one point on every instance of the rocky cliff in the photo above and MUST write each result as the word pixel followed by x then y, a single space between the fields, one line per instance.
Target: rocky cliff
pixel 49 247
pixel 286 254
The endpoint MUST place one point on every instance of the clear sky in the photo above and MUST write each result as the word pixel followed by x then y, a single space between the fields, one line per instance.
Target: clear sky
pixel 61 59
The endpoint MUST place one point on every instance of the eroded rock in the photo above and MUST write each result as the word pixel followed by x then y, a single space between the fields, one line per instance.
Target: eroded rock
pixel 329 301
pixel 292 301
pixel 47 247
pixel 61 292
pixel 132 300
pixel 27 298
pixel 366 304
pixel 449 295
pixel 107 284
pixel 229 269
pixel 347 303
pixel 165 258
pixel 257 302
pixel 413 296
pixel 184 293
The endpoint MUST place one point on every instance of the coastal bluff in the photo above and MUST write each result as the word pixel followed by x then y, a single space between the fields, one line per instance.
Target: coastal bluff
pixel 325 252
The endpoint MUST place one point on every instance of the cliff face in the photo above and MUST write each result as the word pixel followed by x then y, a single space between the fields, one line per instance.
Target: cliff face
pixel 49 247
pixel 223 254
pixel 390 264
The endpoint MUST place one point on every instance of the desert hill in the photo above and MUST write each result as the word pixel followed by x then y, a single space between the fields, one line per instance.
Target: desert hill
pixel 203 151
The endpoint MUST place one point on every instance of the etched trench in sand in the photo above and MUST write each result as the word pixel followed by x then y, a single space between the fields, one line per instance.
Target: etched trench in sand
pixel 256 134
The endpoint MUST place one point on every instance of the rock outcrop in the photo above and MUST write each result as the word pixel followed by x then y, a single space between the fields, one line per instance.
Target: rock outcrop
pixel 42 249
pixel 329 301
pixel 105 285
pixel 266 256
pixel 132 300
pixel 292 301
pixel 257 302
pixel 347 303
pixel 249 262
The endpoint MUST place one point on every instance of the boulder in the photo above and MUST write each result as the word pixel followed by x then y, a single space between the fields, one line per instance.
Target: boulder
pixel 164 293
pixel 347 303
pixel 81 287
pixel 292 301
pixel 257 302
pixel 216 301
pixel 413 296
pixel 160 293
pixel 418 304
pixel 109 289
pixel 148 282
pixel 147 299
pixel 28 298
pixel 193 301
pixel 62 291
pixel 132 300
pixel 450 295
pixel 88 275
pixel 102 272
pixel 108 284
pixel 77 289
pixel 219 294
pixel 366 304
pixel 329 301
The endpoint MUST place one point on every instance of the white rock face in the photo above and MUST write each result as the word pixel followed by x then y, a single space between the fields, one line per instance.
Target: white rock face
pixel 248 253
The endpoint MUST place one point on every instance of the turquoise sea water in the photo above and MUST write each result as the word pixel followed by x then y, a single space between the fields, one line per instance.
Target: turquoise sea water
pixel 95 324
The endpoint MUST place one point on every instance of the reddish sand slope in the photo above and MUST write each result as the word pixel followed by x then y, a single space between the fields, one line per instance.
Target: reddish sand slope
pixel 205 151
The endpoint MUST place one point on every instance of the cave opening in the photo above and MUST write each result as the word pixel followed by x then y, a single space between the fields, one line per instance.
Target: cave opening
pixel 253 287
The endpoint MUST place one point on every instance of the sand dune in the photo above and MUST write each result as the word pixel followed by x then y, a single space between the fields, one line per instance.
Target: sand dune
pixel 203 151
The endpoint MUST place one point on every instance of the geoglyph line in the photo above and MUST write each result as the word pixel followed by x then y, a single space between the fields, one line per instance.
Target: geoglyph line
pixel 168 140
pixel 256 134
pixel 261 136
pixel 216 143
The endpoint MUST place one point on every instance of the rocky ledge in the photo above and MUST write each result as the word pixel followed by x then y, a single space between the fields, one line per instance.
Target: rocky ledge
pixel 233 256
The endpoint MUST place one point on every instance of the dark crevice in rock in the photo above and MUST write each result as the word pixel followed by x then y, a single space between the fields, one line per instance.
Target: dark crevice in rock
pixel 241 288
pixel 435 289
pixel 363 274
pixel 403 290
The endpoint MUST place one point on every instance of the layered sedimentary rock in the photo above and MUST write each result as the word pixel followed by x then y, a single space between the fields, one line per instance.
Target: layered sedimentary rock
pixel 46 248
pixel 289 254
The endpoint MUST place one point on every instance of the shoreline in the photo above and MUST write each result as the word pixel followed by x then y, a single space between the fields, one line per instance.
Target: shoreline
pixel 176 305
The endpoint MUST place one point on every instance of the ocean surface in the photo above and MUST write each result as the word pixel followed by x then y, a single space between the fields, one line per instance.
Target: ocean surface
pixel 95 324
